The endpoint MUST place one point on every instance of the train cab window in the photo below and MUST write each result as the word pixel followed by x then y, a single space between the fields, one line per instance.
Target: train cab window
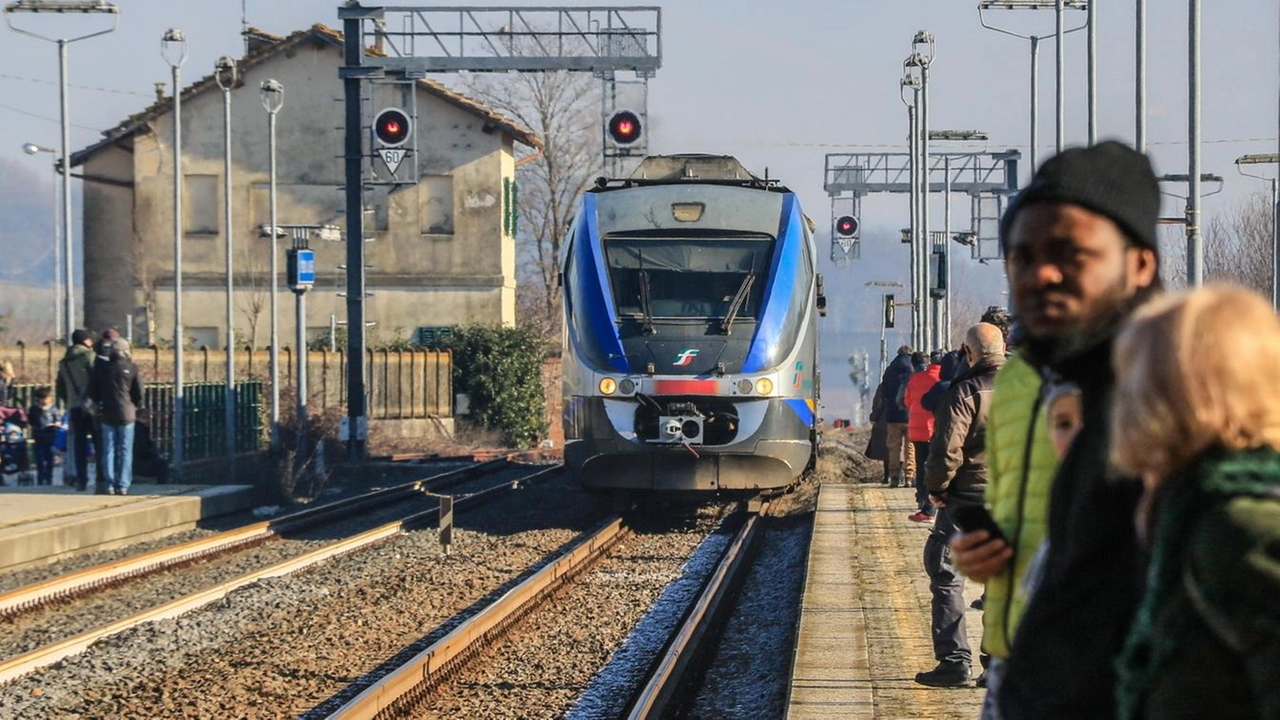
pixel 688 278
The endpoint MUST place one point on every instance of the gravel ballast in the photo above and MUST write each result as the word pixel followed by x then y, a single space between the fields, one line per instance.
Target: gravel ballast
pixel 283 646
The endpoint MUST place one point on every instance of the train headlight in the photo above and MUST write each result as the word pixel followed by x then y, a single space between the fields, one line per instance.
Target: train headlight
pixel 764 386
pixel 608 386
pixel 744 386
pixel 627 386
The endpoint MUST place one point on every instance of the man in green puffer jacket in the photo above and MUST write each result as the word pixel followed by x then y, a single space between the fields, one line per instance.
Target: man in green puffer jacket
pixel 1021 462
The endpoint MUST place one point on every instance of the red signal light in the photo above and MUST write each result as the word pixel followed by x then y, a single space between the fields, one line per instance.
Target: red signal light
pixel 847 226
pixel 391 127
pixel 624 127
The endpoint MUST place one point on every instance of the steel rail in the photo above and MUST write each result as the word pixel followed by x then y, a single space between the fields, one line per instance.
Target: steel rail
pixel 655 698
pixel 408 683
pixel 113 573
pixel 19 665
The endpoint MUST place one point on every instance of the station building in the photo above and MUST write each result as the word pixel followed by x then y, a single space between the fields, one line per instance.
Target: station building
pixel 442 251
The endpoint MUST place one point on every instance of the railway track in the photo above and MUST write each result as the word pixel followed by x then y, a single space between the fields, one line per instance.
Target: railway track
pixel 412 683
pixel 114 574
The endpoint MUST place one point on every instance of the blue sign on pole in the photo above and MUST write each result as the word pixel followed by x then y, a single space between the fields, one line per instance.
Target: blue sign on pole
pixel 301 269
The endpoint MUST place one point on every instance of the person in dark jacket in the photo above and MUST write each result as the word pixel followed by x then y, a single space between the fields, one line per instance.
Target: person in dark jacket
pixel 956 476
pixel 1081 255
pixel 74 371
pixel 1201 427
pixel 117 389
pixel 45 422
pixel 102 357
pixel 902 456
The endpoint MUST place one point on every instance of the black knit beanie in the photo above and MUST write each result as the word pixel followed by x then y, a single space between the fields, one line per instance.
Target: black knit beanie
pixel 1109 178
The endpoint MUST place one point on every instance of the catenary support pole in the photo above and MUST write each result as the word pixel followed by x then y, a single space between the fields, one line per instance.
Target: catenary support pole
pixel 226 83
pixel 1035 101
pixel 925 251
pixel 1195 247
pixel 1140 81
pixel 353 151
pixel 1092 70
pixel 1061 72
pixel 174 42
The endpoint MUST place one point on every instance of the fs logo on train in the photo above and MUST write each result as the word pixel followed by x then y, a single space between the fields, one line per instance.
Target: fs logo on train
pixel 685 357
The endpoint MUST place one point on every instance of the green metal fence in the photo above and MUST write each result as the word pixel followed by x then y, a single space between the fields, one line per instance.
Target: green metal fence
pixel 205 416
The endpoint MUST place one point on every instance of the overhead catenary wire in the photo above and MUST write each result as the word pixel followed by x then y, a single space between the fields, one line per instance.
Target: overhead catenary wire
pixel 45 118
pixel 114 91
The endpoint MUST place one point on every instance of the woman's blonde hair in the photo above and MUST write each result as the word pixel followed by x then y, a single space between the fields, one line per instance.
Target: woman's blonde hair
pixel 1195 370
pixel 7 371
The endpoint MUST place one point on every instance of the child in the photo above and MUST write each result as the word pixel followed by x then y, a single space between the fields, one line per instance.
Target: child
pixel 1062 408
pixel 45 423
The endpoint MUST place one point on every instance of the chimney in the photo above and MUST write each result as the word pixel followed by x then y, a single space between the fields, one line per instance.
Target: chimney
pixel 379 40
pixel 160 93
pixel 255 40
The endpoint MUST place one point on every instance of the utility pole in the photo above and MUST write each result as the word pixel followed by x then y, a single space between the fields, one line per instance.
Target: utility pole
pixel 1195 244
pixel 923 50
pixel 1140 81
pixel 225 75
pixel 173 46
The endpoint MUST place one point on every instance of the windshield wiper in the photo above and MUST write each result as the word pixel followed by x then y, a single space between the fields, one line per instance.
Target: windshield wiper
pixel 739 299
pixel 646 300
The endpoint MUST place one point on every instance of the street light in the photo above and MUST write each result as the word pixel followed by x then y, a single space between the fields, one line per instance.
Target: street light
pixel 911 81
pixel 923 52
pixel 1268 159
pixel 225 76
pixel 272 94
pixel 64 6
pixel 1056 5
pixel 173 48
pixel 959 135
pixel 32 149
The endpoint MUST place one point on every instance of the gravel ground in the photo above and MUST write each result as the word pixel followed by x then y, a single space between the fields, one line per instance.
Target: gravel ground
pixel 625 607
pixel 280 647
pixel 30 576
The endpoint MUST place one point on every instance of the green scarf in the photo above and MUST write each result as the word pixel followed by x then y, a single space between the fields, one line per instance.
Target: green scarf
pixel 1212 479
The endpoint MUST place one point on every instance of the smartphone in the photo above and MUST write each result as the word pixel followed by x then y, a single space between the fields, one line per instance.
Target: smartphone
pixel 970 518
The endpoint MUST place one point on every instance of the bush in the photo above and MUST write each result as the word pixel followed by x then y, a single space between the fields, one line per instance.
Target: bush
pixel 501 369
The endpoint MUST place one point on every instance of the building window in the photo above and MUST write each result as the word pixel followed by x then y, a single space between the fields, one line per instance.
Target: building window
pixel 200 206
pixel 435 200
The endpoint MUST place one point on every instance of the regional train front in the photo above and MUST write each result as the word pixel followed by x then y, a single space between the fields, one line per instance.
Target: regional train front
pixel 690 356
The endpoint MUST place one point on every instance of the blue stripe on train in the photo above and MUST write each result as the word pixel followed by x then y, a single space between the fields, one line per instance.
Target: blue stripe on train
pixel 801 408
pixel 777 294
pixel 601 318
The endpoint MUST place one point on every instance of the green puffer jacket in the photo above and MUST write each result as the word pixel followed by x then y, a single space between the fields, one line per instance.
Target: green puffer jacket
pixel 1017 493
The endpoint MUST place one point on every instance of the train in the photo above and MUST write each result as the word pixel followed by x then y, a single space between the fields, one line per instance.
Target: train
pixel 691 302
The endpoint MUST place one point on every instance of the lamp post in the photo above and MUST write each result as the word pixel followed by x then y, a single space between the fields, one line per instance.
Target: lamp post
pixel 64 6
pixel 272 93
pixel 1140 78
pixel 32 149
pixel 225 75
pixel 1035 54
pixel 173 47
pixel 1268 159
pixel 923 50
pixel 911 81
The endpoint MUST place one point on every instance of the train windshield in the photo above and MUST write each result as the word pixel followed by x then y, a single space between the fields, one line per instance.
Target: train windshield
pixel 689 278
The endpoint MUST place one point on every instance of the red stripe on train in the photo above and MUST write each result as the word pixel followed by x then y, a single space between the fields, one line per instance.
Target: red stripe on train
pixel 687 387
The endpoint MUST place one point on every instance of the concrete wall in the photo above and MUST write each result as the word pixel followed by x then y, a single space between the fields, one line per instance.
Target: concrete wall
pixel 418 278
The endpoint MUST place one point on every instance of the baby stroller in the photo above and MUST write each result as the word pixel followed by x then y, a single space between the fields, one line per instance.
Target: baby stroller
pixel 14 454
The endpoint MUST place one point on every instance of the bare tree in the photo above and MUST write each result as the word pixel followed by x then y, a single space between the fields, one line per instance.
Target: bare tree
pixel 253 288
pixel 561 108
pixel 1237 244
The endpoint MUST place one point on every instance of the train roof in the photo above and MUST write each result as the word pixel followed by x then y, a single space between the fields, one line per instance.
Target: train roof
pixel 691 169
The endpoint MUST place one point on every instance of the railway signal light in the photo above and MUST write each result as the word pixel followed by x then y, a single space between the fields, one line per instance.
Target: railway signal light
pixel 846 226
pixel 392 127
pixel 888 311
pixel 625 127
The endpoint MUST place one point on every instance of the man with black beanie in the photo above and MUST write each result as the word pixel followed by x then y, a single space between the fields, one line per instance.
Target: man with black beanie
pixel 1081 255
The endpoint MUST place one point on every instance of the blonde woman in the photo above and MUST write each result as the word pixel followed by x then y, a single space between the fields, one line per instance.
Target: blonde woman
pixel 1197 417
pixel 7 376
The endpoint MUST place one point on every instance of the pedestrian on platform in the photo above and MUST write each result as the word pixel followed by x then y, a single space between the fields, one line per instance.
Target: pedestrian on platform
pixel 1197 417
pixel 74 371
pixel 45 421
pixel 117 388
pixel 1021 464
pixel 878 441
pixel 920 424
pixel 7 377
pixel 1065 415
pixel 1080 255
pixel 956 477
pixel 902 456
pixel 102 358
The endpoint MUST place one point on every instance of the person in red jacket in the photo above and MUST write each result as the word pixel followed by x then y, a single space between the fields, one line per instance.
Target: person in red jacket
pixel 920 425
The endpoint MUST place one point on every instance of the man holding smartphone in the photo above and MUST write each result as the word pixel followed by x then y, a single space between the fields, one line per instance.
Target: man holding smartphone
pixel 956 476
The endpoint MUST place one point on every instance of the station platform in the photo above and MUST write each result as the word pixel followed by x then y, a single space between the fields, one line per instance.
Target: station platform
pixel 864 622
pixel 44 524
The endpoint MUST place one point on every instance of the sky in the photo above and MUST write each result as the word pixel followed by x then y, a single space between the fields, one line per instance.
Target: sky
pixel 778 84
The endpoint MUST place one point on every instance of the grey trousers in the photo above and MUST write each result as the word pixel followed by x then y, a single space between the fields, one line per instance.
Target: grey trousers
pixel 950 644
